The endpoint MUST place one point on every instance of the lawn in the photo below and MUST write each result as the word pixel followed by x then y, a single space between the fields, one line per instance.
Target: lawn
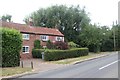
pixel 14 70
pixel 82 58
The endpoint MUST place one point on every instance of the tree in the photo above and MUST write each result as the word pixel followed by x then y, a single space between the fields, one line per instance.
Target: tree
pixel 90 37
pixel 37 44
pixel 69 20
pixel 74 23
pixel 107 39
pixel 6 17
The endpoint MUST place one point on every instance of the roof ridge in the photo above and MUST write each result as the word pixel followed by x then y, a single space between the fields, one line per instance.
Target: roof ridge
pixel 32 29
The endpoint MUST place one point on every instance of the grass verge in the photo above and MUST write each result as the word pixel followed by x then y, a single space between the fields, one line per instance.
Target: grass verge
pixel 14 70
pixel 72 60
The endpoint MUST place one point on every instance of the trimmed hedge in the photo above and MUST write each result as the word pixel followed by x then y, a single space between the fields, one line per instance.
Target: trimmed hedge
pixel 52 55
pixel 36 53
pixel 11 46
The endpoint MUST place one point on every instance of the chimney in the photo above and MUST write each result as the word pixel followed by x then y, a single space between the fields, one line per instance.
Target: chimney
pixel 30 22
pixel 56 26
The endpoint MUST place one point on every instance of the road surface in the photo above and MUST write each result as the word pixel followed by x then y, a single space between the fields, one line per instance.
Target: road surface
pixel 105 67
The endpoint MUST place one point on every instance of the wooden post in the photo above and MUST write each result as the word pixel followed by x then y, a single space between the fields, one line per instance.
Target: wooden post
pixel 31 64
pixel 22 64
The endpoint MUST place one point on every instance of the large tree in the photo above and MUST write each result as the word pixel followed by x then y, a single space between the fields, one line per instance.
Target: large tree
pixel 74 23
pixel 69 20
pixel 6 17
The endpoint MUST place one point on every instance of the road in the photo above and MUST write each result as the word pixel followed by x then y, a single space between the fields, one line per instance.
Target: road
pixel 105 67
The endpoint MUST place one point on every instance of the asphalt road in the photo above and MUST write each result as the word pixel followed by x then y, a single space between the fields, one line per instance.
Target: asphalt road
pixel 105 67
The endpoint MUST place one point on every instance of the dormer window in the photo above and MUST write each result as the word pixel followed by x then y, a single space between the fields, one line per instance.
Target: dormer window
pixel 44 37
pixel 25 36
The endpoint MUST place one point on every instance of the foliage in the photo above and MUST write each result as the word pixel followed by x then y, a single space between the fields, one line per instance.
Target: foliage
pixel 50 45
pixel 61 45
pixel 116 34
pixel 37 44
pixel 69 20
pixel 91 37
pixel 57 45
pixel 106 39
pixel 51 55
pixel 11 46
pixel 6 17
pixel 74 23
pixel 36 53
pixel 72 45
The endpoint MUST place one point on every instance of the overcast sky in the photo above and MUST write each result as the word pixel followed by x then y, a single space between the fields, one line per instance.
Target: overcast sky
pixel 103 12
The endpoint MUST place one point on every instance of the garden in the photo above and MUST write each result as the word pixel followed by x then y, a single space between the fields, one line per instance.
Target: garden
pixel 58 50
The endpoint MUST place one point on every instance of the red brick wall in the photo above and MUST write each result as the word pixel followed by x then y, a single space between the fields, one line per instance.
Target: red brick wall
pixel 30 43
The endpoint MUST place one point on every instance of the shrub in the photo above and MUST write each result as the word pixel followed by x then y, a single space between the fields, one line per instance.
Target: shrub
pixel 37 44
pixel 11 46
pixel 36 53
pixel 50 45
pixel 61 45
pixel 73 45
pixel 51 55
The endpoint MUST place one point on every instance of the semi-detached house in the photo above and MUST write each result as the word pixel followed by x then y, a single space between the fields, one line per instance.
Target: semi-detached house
pixel 32 33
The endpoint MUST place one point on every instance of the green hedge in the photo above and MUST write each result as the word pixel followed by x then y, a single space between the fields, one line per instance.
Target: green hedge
pixel 36 53
pixel 52 55
pixel 11 46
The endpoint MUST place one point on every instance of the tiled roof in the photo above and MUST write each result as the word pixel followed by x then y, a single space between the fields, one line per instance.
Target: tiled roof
pixel 32 29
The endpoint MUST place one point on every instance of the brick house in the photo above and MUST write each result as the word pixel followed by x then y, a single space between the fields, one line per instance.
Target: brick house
pixel 30 34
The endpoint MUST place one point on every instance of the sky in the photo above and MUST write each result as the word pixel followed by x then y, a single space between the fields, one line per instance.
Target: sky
pixel 101 12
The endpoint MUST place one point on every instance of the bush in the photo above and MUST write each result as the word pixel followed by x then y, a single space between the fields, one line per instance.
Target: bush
pixel 72 45
pixel 50 45
pixel 37 44
pixel 11 46
pixel 51 55
pixel 36 53
pixel 61 45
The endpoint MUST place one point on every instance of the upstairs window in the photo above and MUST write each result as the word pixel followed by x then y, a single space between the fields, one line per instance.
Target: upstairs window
pixel 25 36
pixel 44 37
pixel 59 38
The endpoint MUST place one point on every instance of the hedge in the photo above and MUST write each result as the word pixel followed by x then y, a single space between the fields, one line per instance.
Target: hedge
pixel 36 53
pixel 52 55
pixel 11 46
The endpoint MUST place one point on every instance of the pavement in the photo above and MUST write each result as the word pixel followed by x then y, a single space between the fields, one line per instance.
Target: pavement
pixel 42 66
pixel 38 65
pixel 104 67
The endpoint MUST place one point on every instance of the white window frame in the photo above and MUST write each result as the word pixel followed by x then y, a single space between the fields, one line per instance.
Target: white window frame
pixel 44 37
pixel 60 38
pixel 26 36
pixel 25 50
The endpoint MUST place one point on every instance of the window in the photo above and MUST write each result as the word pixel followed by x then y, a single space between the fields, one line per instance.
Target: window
pixel 25 49
pixel 44 37
pixel 59 38
pixel 25 36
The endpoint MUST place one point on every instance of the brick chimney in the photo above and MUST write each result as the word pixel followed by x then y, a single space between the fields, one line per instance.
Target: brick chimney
pixel 30 22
